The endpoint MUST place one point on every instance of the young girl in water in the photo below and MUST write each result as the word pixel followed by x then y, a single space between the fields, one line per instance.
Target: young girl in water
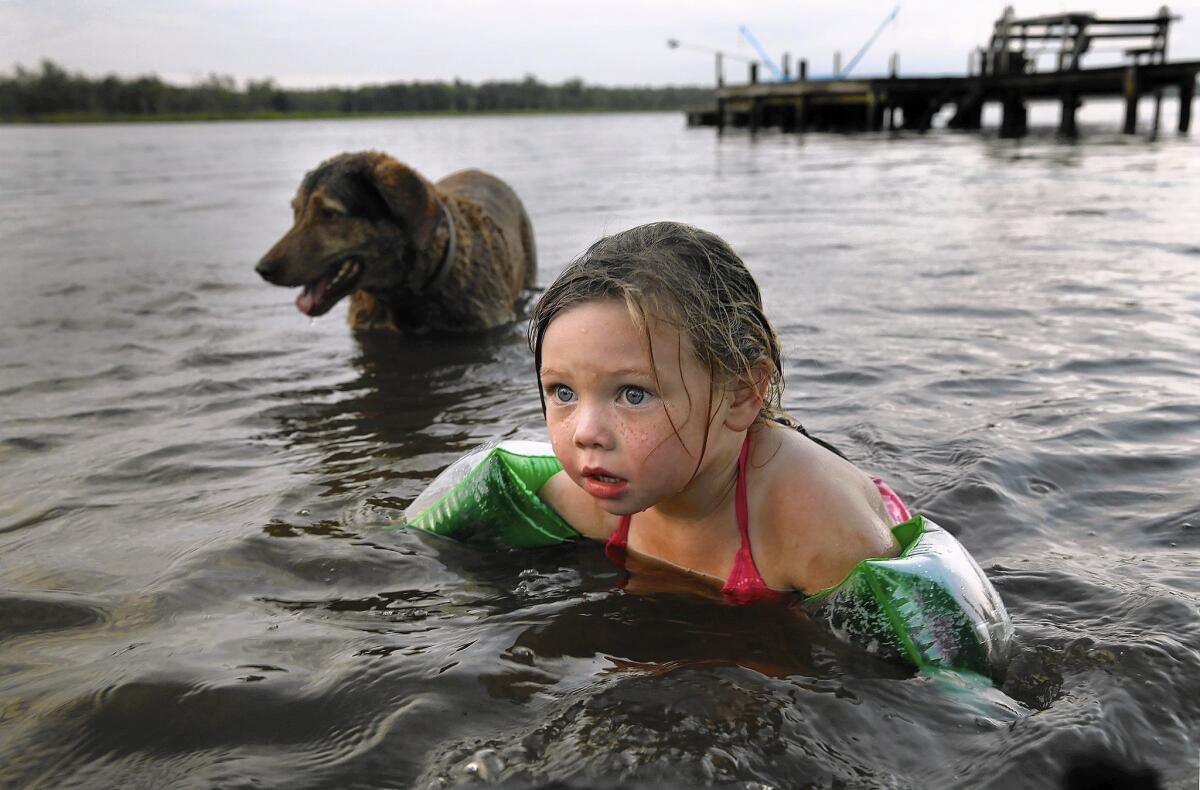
pixel 660 379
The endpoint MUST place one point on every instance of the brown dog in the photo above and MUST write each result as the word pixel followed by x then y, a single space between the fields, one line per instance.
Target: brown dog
pixel 454 256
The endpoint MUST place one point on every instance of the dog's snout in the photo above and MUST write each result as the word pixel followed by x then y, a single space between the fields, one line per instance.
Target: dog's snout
pixel 267 269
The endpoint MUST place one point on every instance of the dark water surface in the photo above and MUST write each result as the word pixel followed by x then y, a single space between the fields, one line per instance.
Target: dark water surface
pixel 199 587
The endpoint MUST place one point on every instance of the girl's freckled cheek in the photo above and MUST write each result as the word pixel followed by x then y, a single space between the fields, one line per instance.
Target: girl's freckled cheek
pixel 646 440
pixel 635 435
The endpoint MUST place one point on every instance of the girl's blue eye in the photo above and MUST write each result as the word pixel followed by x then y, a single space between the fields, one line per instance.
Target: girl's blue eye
pixel 562 393
pixel 634 396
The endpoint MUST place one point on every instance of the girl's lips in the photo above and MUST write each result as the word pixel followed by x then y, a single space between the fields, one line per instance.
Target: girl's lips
pixel 602 485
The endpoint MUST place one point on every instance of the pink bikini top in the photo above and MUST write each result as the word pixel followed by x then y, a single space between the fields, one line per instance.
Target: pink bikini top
pixel 745 584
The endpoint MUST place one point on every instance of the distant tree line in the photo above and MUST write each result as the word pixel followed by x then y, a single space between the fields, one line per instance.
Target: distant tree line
pixel 52 91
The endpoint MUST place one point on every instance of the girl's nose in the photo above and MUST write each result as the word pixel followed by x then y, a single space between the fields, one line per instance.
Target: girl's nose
pixel 591 427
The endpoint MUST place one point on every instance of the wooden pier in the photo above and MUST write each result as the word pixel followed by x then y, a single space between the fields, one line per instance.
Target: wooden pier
pixel 1005 73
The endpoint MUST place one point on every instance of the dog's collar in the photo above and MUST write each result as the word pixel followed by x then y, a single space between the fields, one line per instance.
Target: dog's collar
pixel 447 262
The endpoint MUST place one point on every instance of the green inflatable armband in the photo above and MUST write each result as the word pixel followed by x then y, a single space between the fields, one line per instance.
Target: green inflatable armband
pixel 492 494
pixel 931 606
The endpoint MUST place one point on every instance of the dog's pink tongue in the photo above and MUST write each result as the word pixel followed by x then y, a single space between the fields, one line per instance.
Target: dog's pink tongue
pixel 310 299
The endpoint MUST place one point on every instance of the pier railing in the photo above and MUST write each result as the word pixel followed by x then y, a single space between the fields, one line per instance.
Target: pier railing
pixel 1018 43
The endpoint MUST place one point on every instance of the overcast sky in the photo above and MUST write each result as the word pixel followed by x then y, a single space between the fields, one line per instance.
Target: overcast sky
pixel 305 43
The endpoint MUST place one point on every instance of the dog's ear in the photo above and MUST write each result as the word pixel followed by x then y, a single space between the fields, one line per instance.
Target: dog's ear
pixel 408 196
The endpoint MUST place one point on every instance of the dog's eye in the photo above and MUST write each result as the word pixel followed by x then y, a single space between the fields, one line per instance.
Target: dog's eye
pixel 328 213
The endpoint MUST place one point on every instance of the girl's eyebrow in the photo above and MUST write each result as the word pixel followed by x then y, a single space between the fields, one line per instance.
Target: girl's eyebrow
pixel 552 373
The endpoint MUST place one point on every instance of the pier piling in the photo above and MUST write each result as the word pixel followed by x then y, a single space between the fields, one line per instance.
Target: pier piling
pixel 1187 91
pixel 874 113
pixel 1130 89
pixel 1014 121
pixel 1158 97
pixel 1066 123
pixel 968 109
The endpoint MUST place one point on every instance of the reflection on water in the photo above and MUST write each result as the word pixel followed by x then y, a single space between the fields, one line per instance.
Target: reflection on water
pixel 204 585
pixel 407 411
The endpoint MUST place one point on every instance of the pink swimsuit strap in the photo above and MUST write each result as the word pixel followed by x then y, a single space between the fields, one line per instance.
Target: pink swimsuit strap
pixel 896 509
pixel 745 584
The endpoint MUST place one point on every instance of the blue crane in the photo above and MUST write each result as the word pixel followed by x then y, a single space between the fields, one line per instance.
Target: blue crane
pixel 778 73
pixel 858 56
pixel 762 53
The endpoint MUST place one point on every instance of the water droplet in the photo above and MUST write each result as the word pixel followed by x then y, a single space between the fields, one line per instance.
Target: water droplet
pixel 486 764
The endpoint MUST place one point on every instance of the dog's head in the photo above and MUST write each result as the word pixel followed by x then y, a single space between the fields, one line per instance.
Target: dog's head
pixel 360 220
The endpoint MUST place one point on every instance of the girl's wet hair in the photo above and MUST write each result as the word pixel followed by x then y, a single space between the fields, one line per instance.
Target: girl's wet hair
pixel 687 277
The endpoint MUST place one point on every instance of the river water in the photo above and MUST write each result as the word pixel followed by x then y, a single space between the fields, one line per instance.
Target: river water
pixel 199 586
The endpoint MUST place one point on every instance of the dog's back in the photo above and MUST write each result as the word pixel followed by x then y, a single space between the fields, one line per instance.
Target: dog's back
pixel 500 202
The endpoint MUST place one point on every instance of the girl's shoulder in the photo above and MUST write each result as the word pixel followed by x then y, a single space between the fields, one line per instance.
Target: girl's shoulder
pixel 818 514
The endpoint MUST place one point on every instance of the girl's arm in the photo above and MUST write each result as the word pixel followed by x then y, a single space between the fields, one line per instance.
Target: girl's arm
pixel 576 507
